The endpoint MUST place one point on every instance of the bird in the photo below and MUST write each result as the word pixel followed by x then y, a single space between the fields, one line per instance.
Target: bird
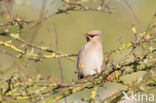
pixel 90 56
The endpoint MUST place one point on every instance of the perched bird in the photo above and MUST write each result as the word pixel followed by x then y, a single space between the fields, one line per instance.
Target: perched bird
pixel 90 56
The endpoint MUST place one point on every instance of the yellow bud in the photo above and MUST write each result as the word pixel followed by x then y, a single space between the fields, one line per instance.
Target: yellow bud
pixel 147 36
pixel 99 8
pixel 150 56
pixel 134 30
pixel 38 78
pixel 117 66
pixel 67 0
pixel 151 48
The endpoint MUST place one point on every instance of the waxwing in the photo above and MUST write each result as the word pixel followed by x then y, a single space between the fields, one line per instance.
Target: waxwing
pixel 90 56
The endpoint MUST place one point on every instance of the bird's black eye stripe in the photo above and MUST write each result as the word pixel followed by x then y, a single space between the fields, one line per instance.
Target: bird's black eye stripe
pixel 91 36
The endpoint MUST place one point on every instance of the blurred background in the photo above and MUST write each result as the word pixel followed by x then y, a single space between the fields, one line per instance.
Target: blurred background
pixel 70 28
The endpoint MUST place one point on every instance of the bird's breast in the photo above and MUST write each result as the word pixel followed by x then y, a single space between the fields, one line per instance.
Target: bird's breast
pixel 91 58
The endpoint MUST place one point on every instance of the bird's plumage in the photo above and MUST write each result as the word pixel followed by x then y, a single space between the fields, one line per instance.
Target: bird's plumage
pixel 90 56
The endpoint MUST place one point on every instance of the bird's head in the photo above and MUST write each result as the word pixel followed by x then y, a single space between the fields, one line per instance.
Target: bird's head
pixel 94 36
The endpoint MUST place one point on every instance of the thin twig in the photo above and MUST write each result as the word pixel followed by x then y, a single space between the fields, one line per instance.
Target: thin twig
pixel 57 49
pixel 133 48
pixel 149 24
pixel 9 8
pixel 135 16
pixel 59 60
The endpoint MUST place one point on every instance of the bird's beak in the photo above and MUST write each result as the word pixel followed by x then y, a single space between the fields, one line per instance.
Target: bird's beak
pixel 86 35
